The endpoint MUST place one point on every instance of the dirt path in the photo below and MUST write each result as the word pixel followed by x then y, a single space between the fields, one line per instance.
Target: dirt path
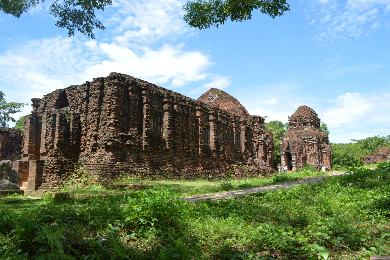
pixel 231 194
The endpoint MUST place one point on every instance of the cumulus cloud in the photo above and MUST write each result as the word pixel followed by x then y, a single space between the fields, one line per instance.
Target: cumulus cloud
pixel 129 47
pixel 218 81
pixel 354 108
pixel 160 66
pixel 147 20
pixel 55 63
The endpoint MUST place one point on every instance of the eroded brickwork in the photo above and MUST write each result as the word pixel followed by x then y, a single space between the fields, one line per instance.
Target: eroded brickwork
pixel 10 143
pixel 123 125
pixel 382 155
pixel 304 143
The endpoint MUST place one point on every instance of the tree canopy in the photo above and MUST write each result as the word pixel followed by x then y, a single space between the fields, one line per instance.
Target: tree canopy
pixel 203 14
pixel 371 145
pixel 80 14
pixel 72 14
pixel 278 129
pixel 324 128
pixel 6 109
pixel 20 123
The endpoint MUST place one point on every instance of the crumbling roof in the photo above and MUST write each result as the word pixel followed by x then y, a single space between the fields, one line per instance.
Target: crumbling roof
pixel 304 111
pixel 383 150
pixel 222 100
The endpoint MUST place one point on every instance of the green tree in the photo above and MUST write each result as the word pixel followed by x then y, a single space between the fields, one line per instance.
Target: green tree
pixel 20 123
pixel 6 109
pixel 73 14
pixel 278 129
pixel 371 145
pixel 324 128
pixel 203 14
pixel 349 154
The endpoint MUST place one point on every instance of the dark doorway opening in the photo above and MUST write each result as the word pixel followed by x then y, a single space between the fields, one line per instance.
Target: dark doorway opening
pixel 62 100
pixel 289 161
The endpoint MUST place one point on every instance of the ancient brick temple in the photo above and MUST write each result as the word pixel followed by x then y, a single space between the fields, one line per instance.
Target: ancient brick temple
pixel 304 143
pixel 123 125
pixel 10 143
pixel 382 155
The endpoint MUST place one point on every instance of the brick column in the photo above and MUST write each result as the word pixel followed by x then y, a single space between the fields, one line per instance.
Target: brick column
pixel 145 116
pixel 185 128
pixel 32 137
pixel 22 168
pixel 166 127
pixel 243 137
pixel 213 128
pixel 199 128
pixel 35 174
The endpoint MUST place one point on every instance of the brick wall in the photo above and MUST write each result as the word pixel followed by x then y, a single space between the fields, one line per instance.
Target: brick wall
pixel 304 143
pixel 11 140
pixel 123 125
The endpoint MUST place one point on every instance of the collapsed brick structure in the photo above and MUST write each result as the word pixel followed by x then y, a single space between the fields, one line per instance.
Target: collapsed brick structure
pixel 382 155
pixel 10 143
pixel 123 125
pixel 304 143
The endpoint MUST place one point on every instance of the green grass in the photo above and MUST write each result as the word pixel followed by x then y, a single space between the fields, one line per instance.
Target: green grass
pixel 345 217
pixel 198 187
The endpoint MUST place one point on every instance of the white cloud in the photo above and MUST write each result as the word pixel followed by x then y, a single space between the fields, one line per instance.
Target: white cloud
pixel 336 71
pixel 158 66
pixel 272 114
pixel 356 18
pixel 353 109
pixel 218 81
pixel 271 101
pixel 147 20
pixel 134 26
pixel 55 63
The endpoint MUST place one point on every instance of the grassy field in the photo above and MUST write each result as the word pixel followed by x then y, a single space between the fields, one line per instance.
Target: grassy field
pixel 344 217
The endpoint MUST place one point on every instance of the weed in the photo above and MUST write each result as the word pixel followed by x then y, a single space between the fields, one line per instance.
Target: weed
pixel 343 217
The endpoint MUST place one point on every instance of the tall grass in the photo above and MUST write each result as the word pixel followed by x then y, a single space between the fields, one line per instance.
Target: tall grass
pixel 345 217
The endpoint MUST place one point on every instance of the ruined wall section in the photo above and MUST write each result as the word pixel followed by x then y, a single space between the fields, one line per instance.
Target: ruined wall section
pixel 123 125
pixel 11 141
pixel 382 155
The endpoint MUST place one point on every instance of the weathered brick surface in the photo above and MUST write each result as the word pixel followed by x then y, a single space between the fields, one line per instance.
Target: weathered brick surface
pixel 304 143
pixel 22 167
pixel 382 155
pixel 10 143
pixel 123 125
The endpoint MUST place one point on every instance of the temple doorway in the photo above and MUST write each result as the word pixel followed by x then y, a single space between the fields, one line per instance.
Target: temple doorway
pixel 289 161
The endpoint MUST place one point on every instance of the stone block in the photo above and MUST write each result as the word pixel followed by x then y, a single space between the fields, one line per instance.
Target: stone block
pixel 7 173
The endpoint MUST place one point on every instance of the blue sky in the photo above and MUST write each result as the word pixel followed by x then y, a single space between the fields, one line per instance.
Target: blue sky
pixel 331 55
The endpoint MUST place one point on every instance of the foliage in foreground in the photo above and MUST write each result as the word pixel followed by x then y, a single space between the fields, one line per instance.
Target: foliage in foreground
pixel 346 217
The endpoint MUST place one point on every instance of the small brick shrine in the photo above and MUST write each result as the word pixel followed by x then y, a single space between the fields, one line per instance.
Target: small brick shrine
pixel 304 143
pixel 123 125
pixel 382 155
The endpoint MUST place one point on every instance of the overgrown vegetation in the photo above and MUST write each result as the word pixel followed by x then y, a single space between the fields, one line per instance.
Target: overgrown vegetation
pixel 352 154
pixel 278 129
pixel 345 217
